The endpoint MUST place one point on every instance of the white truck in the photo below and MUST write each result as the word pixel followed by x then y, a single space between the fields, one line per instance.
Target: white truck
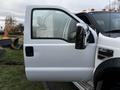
pixel 59 46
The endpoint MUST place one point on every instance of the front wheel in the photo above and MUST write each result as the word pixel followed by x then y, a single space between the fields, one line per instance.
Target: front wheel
pixel 108 85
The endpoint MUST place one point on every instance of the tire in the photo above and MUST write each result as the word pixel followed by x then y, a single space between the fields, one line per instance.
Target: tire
pixel 108 85
pixel 107 75
pixel 60 86
pixel 17 44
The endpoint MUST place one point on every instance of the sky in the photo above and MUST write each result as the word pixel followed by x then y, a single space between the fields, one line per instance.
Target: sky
pixel 16 8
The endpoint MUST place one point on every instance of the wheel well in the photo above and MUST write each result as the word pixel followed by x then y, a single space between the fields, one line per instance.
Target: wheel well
pixel 110 69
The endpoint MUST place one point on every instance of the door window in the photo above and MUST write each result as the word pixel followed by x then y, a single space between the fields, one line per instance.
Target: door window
pixel 53 24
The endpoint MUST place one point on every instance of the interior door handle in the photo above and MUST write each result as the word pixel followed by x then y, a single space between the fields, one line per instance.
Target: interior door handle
pixel 29 51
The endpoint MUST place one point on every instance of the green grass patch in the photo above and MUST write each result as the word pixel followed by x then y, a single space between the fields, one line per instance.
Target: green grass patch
pixel 12 74
pixel 11 56
pixel 0 37
pixel 12 77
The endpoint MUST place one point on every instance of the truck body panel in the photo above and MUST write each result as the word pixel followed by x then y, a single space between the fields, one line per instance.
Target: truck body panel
pixel 111 46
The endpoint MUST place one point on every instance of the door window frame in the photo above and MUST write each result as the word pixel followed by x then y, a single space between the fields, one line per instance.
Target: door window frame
pixel 53 38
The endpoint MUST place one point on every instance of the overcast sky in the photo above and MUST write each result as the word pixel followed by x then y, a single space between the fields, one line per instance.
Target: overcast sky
pixel 16 8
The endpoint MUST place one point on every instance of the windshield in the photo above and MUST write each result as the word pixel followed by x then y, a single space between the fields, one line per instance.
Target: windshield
pixel 108 21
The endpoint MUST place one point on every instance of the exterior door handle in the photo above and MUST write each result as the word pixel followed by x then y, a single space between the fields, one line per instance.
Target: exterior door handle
pixel 29 51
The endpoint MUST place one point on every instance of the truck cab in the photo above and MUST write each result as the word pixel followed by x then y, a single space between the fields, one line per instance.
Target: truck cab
pixel 107 25
pixel 59 46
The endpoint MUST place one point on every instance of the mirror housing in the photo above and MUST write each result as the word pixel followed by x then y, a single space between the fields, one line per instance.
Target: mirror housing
pixel 81 37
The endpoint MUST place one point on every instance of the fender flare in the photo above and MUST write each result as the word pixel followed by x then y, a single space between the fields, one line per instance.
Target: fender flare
pixel 109 67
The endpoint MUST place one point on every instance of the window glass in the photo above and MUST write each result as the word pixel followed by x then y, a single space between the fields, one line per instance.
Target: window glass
pixel 53 24
pixel 85 19
pixel 108 21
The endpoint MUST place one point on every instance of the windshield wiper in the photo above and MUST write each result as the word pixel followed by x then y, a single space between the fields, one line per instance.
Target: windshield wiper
pixel 113 31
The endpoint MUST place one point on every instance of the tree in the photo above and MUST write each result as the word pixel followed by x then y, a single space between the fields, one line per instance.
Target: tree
pixel 19 28
pixel 10 23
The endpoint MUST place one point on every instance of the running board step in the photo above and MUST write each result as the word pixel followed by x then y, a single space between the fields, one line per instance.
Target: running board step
pixel 84 85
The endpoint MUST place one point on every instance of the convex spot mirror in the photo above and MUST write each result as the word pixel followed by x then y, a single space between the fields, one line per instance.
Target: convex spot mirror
pixel 81 37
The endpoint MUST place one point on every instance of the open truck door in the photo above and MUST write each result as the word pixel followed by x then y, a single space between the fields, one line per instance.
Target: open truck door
pixel 49 46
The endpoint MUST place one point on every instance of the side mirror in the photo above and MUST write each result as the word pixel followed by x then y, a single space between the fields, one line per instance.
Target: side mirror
pixel 81 37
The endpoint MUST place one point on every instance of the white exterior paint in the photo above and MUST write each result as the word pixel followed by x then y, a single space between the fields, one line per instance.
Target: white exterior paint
pixel 108 43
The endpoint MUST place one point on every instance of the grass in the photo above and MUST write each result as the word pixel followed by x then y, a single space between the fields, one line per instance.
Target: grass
pixel 11 56
pixel 12 77
pixel 12 74
pixel 0 37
